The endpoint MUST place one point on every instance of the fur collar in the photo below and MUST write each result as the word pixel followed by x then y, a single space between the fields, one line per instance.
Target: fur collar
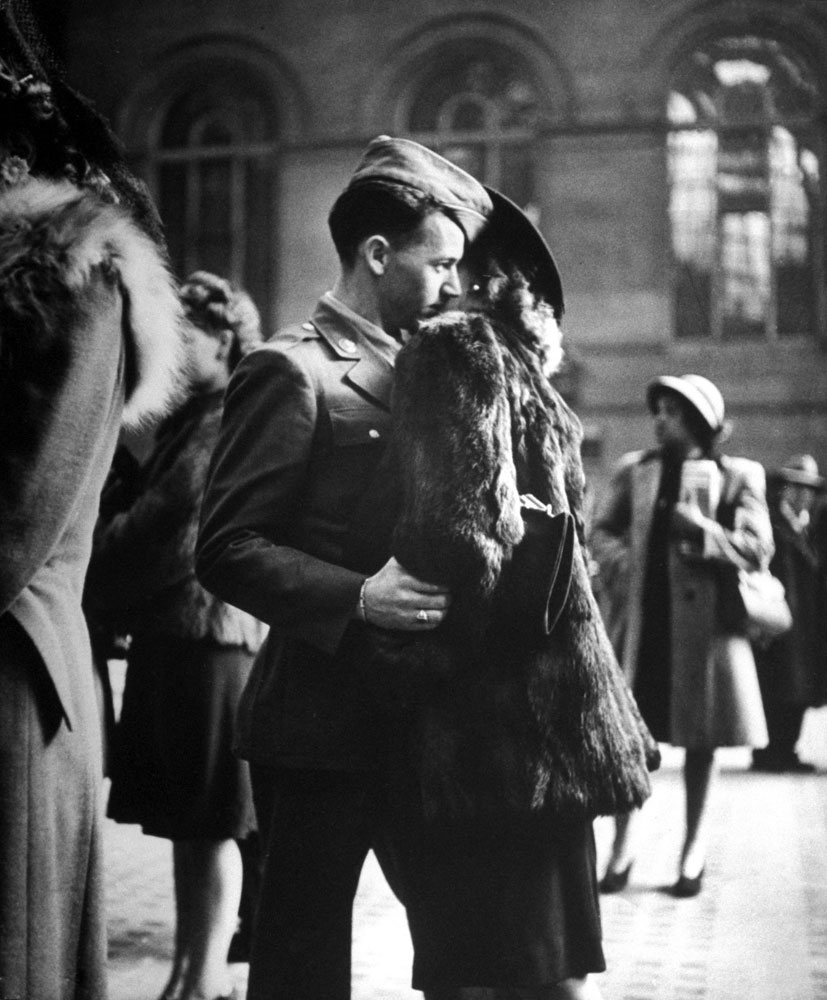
pixel 53 237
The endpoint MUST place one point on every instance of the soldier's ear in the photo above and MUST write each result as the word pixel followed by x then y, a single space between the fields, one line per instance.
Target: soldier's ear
pixel 376 251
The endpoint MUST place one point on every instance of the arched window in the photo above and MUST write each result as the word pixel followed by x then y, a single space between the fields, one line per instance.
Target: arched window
pixel 211 165
pixel 478 106
pixel 744 152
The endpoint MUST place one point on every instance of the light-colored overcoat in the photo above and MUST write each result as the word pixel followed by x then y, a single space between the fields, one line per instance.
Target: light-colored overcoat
pixel 715 699
pixel 89 328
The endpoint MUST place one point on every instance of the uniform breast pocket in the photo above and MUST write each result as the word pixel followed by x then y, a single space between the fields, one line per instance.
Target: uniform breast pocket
pixel 346 469
pixel 359 427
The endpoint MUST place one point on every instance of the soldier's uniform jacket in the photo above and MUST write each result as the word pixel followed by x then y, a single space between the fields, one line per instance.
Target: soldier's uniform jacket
pixel 305 421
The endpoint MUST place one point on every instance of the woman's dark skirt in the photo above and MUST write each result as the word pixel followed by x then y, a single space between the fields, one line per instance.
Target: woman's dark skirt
pixel 173 767
pixel 508 902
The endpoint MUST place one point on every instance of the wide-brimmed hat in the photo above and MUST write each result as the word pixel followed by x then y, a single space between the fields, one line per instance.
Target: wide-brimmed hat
pixel 512 236
pixel 405 162
pixel 801 470
pixel 48 129
pixel 703 395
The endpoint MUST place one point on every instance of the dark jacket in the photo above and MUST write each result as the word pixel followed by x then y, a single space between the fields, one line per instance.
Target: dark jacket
pixel 797 660
pixel 305 421
pixel 143 559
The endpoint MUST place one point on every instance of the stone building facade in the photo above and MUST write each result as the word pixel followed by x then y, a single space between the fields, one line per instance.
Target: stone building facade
pixel 671 151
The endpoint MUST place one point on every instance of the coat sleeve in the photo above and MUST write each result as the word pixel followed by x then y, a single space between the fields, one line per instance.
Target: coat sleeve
pixel 460 513
pixel 748 543
pixel 51 430
pixel 609 549
pixel 249 550
pixel 609 538
pixel 149 547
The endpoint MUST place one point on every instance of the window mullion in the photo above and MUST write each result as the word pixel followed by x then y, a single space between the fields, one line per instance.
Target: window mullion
pixel 238 168
pixel 192 249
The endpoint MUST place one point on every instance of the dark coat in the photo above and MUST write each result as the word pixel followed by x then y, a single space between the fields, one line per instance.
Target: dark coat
pixel 143 559
pixel 88 317
pixel 796 662
pixel 499 715
pixel 305 422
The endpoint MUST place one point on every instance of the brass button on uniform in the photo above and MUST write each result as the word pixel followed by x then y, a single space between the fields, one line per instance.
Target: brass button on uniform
pixel 307 326
pixel 373 432
pixel 347 345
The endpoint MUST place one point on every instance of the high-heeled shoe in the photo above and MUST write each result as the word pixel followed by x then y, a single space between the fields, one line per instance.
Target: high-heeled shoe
pixel 614 881
pixel 688 886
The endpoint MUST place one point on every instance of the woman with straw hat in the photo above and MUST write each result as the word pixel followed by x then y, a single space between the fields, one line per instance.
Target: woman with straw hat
pixel 675 519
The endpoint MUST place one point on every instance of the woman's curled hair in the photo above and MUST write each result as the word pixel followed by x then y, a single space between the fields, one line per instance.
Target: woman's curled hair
pixel 214 304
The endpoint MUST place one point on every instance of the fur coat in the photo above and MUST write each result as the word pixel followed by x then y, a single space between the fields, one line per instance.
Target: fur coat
pixel 498 714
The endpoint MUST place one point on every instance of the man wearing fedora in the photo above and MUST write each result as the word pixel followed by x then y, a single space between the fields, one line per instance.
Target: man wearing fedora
pixel 305 423
pixel 791 668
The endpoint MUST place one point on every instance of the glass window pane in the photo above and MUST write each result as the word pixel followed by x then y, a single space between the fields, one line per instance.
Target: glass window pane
pixel 468 116
pixel 172 204
pixel 790 202
pixel 693 301
pixel 517 174
pixel 795 193
pixel 491 75
pixel 693 196
pixel 469 156
pixel 745 277
pixel 215 237
pixel 743 170
pixel 258 264
pixel 744 191
pixel 217 211
pixel 217 133
pixel 743 78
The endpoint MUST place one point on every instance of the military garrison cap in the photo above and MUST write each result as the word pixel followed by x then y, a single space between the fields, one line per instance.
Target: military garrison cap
pixel 406 162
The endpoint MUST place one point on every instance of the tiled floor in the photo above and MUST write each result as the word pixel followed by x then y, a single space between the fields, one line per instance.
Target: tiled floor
pixel 758 931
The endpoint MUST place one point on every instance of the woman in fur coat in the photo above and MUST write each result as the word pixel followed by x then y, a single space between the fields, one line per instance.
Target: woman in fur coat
pixel 89 338
pixel 514 726
pixel 692 672
pixel 173 768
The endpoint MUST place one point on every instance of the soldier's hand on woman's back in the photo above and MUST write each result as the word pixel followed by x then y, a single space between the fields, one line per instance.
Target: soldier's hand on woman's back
pixel 395 599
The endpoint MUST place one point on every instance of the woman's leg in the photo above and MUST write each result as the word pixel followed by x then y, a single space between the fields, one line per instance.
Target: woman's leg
pixel 624 845
pixel 698 772
pixel 183 882
pixel 216 883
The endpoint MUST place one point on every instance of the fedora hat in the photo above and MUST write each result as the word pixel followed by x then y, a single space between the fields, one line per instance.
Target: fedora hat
pixel 703 395
pixel 405 162
pixel 801 470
